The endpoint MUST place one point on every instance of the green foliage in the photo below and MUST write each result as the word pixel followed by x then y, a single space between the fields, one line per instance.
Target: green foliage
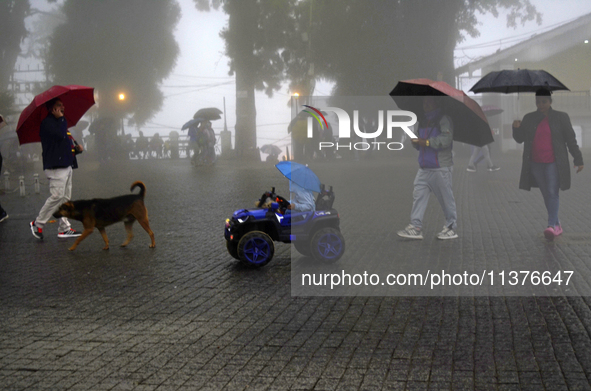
pixel 117 47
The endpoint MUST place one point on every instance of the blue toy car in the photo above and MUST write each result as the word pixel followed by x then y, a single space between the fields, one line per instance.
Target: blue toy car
pixel 250 233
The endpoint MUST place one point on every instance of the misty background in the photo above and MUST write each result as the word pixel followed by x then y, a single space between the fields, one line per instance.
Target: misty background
pixel 173 57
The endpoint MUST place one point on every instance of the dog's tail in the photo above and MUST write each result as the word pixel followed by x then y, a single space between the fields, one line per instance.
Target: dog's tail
pixel 142 187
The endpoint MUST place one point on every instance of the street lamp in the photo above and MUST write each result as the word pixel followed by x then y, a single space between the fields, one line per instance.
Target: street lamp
pixel 294 104
pixel 121 97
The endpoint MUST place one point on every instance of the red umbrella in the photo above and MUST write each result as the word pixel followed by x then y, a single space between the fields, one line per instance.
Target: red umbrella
pixel 469 122
pixel 77 100
pixel 491 110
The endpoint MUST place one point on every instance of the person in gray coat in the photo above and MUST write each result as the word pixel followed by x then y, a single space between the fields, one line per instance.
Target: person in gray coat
pixel 546 134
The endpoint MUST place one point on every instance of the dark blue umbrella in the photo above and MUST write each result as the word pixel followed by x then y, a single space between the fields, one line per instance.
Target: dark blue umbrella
pixel 299 174
pixel 192 122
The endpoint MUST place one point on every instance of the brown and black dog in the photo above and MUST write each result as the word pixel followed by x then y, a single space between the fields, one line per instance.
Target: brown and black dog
pixel 100 213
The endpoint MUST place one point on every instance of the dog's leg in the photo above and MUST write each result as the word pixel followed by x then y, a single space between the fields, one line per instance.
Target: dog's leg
pixel 146 225
pixel 85 233
pixel 104 235
pixel 140 213
pixel 129 229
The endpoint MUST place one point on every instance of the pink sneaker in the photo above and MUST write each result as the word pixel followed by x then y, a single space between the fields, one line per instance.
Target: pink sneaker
pixel 558 230
pixel 549 234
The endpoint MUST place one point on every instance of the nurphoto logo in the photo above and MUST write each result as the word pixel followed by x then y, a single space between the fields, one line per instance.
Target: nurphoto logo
pixel 393 120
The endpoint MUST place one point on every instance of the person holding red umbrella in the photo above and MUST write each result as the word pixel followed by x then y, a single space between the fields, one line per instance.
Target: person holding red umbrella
pixel 59 159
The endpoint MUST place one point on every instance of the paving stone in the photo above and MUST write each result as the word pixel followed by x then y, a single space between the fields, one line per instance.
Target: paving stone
pixel 186 316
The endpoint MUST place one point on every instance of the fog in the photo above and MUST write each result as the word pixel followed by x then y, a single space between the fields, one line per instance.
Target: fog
pixel 200 76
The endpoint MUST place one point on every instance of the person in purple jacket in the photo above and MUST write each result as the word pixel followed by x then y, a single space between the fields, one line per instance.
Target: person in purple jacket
pixel 59 158
pixel 435 171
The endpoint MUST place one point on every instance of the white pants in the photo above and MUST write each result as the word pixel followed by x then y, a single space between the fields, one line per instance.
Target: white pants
pixel 60 189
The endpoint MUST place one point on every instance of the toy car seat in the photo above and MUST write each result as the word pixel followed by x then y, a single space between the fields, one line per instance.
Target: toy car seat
pixel 325 198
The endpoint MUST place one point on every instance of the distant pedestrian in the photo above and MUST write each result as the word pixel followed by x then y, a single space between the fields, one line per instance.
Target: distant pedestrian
pixel 435 171
pixel 129 146
pixel 546 134
pixel 193 146
pixel 485 155
pixel 208 141
pixel 3 213
pixel 156 145
pixel 303 148
pixel 59 150
pixel 142 145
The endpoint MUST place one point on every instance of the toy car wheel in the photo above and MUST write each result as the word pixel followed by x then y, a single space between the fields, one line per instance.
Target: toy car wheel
pixel 303 248
pixel 232 249
pixel 256 248
pixel 328 245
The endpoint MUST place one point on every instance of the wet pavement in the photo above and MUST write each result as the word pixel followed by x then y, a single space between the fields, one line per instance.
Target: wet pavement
pixel 187 316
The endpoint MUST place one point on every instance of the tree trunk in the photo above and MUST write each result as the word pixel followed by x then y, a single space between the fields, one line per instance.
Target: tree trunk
pixel 431 33
pixel 246 135
pixel 242 29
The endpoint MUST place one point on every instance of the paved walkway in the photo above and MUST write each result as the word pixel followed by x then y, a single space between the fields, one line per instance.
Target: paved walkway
pixel 186 316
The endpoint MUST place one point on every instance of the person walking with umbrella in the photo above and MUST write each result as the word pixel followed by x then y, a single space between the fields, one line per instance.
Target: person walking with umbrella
pixel 435 172
pixel 546 134
pixel 59 150
pixel 449 114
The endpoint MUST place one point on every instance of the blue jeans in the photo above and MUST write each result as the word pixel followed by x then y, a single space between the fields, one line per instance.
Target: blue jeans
pixel 546 175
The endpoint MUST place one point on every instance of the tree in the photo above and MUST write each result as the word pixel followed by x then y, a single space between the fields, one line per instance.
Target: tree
pixel 119 48
pixel 363 46
pixel 12 31
pixel 366 46
pixel 36 45
pixel 257 32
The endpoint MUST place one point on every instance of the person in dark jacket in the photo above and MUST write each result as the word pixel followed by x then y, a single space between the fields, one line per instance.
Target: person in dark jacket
pixel 546 134
pixel 59 158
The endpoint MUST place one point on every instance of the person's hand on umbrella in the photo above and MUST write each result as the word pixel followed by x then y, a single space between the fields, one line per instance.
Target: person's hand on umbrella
pixel 579 168
pixel 516 123
pixel 420 141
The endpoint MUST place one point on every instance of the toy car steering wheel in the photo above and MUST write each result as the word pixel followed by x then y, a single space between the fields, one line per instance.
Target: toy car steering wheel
pixel 283 203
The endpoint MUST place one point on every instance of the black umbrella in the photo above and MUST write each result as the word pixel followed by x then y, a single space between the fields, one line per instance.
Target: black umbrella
pixel 208 113
pixel 520 80
pixel 469 122
pixel 271 149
